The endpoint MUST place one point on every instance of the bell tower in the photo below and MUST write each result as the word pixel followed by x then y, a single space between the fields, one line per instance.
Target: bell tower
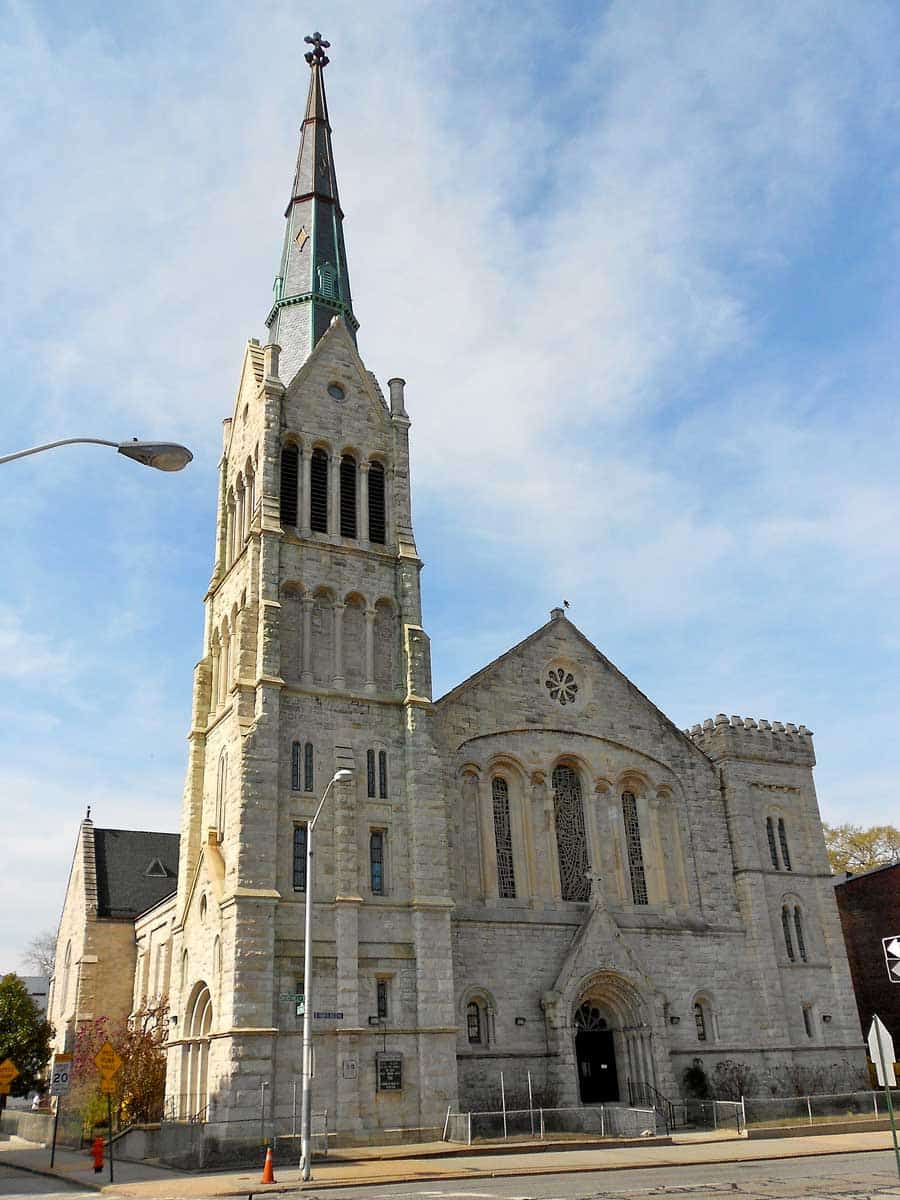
pixel 314 660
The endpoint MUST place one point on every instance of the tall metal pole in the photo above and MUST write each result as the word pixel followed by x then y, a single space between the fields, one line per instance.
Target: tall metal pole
pixel 307 1065
pixel 887 1067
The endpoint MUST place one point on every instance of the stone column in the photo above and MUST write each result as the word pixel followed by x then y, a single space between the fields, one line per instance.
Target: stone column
pixel 334 495
pixel 338 681
pixel 390 534
pixel 306 675
pixel 362 509
pixel 473 881
pixel 370 650
pixel 304 497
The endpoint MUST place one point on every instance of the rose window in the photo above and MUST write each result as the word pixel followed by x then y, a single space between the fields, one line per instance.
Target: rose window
pixel 561 685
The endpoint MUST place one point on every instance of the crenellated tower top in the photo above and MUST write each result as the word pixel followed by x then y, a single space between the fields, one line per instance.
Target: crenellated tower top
pixel 313 281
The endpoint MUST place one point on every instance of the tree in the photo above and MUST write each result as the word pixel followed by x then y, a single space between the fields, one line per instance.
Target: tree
pixel 25 1035
pixel 40 953
pixel 853 848
pixel 140 1082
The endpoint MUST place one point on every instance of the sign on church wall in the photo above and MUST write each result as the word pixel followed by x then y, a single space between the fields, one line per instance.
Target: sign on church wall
pixel 390 1072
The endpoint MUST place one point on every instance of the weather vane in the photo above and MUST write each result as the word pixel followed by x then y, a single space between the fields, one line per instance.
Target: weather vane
pixel 317 56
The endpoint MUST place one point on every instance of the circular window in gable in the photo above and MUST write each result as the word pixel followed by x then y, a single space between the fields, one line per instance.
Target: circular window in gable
pixel 336 392
pixel 561 685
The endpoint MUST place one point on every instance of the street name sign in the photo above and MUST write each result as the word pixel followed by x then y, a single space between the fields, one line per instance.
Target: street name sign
pixel 881 1052
pixel 8 1072
pixel 59 1076
pixel 892 957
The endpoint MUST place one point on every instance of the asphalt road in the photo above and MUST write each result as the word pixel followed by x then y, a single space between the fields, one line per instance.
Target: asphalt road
pixel 838 1176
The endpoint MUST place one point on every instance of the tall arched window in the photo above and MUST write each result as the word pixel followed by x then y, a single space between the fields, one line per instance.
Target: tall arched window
pixel 473 1023
pixel 250 498
pixel 770 835
pixel 377 507
pixel 783 842
pixel 195 1060
pixel 318 492
pixel 370 774
pixel 506 876
pixel 296 766
pixel 308 773
pixel 635 853
pixel 786 929
pixel 571 840
pixel 348 496
pixel 289 477
pixel 221 782
pixel 798 929
pixel 382 775
pixel 64 988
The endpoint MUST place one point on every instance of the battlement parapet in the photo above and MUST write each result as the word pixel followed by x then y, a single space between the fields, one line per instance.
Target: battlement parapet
pixel 750 737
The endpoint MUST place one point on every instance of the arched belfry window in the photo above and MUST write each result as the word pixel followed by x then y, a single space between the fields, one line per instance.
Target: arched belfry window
pixel 348 496
pixel 571 840
pixel 318 492
pixel 635 853
pixel 289 476
pixel 786 930
pixel 773 850
pixel 783 842
pixel 506 875
pixel 221 784
pixel 377 506
pixel 798 930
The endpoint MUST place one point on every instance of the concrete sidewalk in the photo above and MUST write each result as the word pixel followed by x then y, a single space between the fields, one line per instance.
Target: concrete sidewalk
pixel 435 1162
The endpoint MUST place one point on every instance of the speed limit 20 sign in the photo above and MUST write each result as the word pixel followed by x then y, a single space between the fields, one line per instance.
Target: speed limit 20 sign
pixel 59 1077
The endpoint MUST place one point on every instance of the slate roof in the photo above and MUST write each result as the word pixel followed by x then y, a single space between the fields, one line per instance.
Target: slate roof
pixel 123 857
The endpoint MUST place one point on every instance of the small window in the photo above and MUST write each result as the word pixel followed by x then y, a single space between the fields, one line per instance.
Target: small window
pixel 376 862
pixel 807 1020
pixel 377 508
pixel 318 492
pixel 296 766
pixel 327 281
pixel 798 929
pixel 203 907
pixel 700 1021
pixel 786 929
pixel 299 858
pixel 370 774
pixel 156 870
pixel 770 835
pixel 381 998
pixel 289 473
pixel 473 1024
pixel 782 838
pixel 348 496
pixel 382 774
pixel 309 780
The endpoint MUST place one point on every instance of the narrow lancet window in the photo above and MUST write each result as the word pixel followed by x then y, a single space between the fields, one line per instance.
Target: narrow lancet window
pixel 571 841
pixel 376 862
pixel 377 508
pixel 289 465
pixel 770 834
pixel 786 929
pixel 382 775
pixel 506 876
pixel 296 764
pixel 299 858
pixel 798 929
pixel 348 496
pixel 370 774
pixel 782 838
pixel 308 774
pixel 318 492
pixel 473 1023
pixel 635 853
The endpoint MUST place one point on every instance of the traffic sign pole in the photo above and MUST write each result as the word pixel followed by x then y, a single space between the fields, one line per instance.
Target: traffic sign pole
pixel 876 1024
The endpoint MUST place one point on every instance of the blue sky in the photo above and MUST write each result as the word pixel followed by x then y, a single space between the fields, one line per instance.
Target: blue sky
pixel 638 264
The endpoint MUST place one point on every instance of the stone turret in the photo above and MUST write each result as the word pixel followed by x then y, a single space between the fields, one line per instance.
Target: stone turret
pixel 723 737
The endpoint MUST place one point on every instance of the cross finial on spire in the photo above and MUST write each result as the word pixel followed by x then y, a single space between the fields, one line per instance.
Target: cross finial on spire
pixel 317 55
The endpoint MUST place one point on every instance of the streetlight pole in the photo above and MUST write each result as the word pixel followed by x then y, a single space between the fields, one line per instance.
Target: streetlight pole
pixel 306 1067
pixel 164 456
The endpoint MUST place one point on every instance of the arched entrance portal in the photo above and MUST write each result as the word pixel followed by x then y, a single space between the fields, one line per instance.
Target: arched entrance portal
pixel 612 1039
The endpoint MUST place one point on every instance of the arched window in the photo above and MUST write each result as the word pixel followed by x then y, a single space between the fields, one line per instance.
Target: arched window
pixel 770 835
pixel 370 774
pixel 783 842
pixel 798 929
pixel 308 773
pixel 296 766
pixel 633 843
pixel 250 498
pixel 377 507
pixel 786 929
pixel 382 775
pixel 473 1023
pixel 506 876
pixel 376 862
pixel 318 492
pixel 808 1020
pixel 184 969
pixel 704 1020
pixel 195 1051
pixel 289 477
pixel 64 988
pixel 221 783
pixel 348 496
pixel 571 841
pixel 700 1022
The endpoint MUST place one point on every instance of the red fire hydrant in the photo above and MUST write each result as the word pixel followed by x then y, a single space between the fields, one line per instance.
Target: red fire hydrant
pixel 97 1154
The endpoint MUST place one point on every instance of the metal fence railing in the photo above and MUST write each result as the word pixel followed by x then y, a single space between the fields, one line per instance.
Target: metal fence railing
pixel 812 1110
pixel 706 1114
pixel 603 1120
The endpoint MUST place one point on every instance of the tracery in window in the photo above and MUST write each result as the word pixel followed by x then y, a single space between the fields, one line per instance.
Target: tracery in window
pixel 588 1018
pixel 571 840
pixel 561 685
pixel 633 843
pixel 770 835
pixel 506 876
pixel 782 838
pixel 289 476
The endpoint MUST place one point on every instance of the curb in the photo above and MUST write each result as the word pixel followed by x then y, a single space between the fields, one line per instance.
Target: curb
pixel 58 1176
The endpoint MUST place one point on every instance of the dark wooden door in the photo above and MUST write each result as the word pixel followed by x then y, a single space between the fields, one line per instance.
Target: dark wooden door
pixel 598 1081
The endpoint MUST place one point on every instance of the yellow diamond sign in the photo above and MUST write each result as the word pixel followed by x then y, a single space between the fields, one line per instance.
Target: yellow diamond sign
pixel 8 1072
pixel 107 1061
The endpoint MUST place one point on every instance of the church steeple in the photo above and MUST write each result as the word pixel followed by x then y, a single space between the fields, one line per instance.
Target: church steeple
pixel 313 283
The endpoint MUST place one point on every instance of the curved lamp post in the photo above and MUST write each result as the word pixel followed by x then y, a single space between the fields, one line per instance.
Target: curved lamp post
pixel 165 456
pixel 305 1110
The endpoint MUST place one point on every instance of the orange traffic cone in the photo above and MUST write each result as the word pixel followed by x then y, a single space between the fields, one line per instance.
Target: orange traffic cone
pixel 268 1175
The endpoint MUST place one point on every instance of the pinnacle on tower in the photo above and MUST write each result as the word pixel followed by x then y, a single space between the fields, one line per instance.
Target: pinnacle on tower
pixel 313 283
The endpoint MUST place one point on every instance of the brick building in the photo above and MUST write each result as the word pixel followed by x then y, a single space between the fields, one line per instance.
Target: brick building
pixel 869 908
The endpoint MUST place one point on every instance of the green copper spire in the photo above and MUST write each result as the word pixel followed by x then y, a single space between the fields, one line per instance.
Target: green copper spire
pixel 313 283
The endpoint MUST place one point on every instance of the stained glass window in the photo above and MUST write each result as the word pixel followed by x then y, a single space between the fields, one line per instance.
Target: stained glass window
pixel 506 876
pixel 635 854
pixel 570 835
pixel 473 1023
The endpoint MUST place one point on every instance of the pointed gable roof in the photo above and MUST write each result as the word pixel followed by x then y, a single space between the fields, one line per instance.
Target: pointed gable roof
pixel 135 870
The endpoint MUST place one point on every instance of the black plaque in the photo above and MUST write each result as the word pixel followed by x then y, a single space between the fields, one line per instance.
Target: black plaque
pixel 390 1072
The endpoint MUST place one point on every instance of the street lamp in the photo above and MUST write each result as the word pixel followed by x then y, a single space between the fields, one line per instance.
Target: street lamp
pixel 164 456
pixel 341 776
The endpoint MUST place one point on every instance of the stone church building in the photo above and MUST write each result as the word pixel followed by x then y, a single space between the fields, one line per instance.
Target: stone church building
pixel 537 872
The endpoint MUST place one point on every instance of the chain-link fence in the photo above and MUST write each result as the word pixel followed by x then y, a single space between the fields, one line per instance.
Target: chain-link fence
pixel 760 1111
pixel 525 1124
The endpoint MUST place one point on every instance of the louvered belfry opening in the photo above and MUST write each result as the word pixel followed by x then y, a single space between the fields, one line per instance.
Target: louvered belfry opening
pixel 348 496
pixel 318 492
pixel 289 474
pixel 377 510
